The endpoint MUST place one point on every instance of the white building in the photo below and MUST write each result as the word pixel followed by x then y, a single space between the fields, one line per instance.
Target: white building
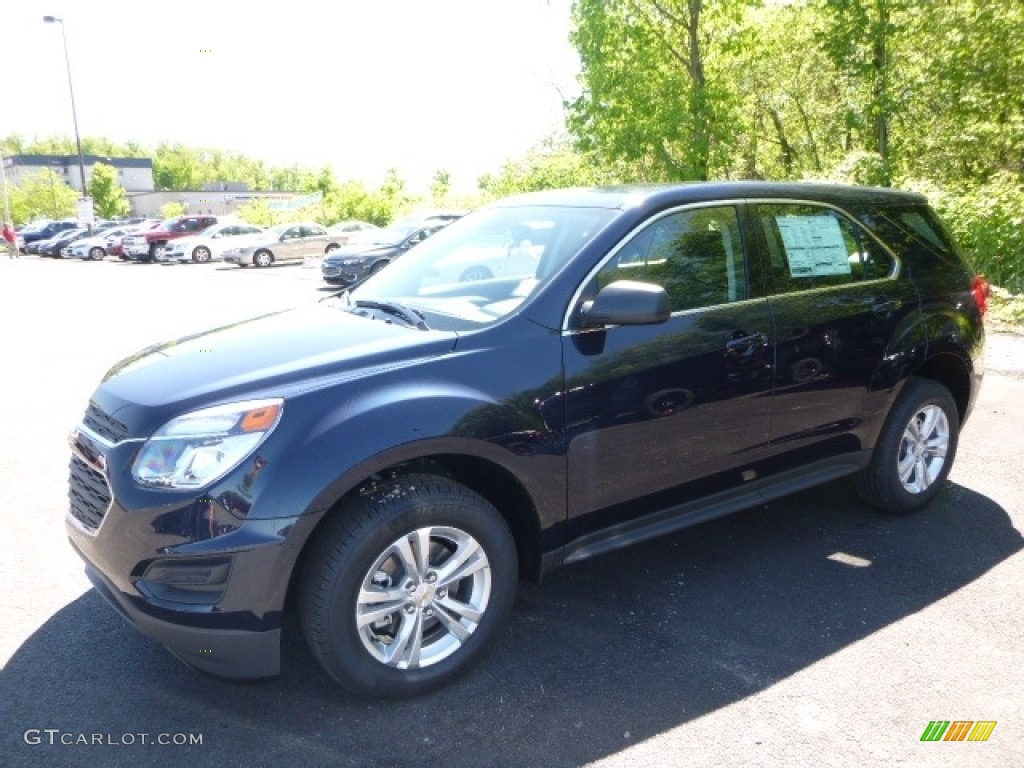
pixel 135 174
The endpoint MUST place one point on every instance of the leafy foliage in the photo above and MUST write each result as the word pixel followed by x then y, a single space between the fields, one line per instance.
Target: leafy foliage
pixel 108 196
pixel 550 166
pixel 42 195
pixel 988 223
pixel 172 209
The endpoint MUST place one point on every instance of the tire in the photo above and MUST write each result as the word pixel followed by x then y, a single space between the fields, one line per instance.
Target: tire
pixel 915 450
pixel 153 250
pixel 473 274
pixel 96 253
pixel 263 258
pixel 201 254
pixel 372 545
pixel 331 248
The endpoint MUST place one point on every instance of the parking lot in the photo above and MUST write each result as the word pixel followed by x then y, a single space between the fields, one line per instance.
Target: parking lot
pixel 809 632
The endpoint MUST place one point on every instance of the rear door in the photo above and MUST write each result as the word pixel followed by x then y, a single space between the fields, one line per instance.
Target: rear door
pixel 836 297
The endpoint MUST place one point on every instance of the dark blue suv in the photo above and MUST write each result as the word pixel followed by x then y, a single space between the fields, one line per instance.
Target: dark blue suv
pixel 391 461
pixel 46 230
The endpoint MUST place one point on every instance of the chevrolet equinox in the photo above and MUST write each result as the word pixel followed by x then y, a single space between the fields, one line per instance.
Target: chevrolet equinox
pixel 386 464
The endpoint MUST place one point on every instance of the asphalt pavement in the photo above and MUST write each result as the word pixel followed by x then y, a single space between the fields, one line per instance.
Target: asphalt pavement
pixel 810 632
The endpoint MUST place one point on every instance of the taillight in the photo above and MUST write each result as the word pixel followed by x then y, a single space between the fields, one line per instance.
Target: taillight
pixel 981 290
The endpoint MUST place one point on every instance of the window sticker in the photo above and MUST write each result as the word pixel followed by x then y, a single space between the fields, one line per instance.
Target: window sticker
pixel 814 246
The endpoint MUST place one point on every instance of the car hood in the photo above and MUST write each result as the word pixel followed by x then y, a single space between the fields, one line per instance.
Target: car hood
pixel 88 242
pixel 280 354
pixel 347 253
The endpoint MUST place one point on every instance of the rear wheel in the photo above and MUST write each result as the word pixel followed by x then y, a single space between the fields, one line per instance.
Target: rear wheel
pixel 201 254
pixel 406 586
pixel 915 450
pixel 263 258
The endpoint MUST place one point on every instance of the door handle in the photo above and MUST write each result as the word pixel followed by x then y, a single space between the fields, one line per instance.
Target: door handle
pixel 884 307
pixel 745 342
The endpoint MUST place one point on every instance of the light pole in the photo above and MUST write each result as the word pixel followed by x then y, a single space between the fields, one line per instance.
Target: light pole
pixel 71 89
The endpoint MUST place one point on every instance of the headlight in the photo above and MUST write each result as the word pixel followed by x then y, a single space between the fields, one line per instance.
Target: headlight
pixel 195 449
pixel 350 262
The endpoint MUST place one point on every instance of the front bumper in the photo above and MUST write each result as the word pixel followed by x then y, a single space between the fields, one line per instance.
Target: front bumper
pixel 224 652
pixel 337 274
pixel 195 574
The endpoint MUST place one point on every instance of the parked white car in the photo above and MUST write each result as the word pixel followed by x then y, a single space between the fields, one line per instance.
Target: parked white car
pixel 95 247
pixel 211 242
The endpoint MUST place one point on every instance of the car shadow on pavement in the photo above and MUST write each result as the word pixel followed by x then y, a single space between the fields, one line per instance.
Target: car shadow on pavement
pixel 604 654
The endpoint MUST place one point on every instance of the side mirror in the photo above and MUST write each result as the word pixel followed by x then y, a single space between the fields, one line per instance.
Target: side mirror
pixel 626 302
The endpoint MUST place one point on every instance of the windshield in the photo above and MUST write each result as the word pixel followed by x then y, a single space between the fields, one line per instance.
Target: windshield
pixel 481 268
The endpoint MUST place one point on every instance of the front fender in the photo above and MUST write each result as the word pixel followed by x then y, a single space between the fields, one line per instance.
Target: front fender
pixel 332 440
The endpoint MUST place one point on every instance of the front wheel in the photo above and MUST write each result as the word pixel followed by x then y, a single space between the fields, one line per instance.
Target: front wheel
pixel 96 253
pixel 201 254
pixel 263 258
pixel 915 449
pixel 407 585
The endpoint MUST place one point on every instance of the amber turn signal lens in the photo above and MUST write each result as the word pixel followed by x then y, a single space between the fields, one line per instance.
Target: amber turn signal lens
pixel 260 419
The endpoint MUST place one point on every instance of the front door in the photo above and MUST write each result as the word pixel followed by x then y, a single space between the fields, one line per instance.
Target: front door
pixel 660 415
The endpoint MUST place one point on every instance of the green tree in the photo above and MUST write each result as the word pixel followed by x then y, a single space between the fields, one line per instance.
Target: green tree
pixel 107 194
pixel 440 185
pixel 256 212
pixel 42 195
pixel 553 165
pixel 653 93
pixel 175 167
pixel 172 209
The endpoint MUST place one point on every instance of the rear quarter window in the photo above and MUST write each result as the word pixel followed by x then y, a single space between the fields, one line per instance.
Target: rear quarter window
pixel 913 231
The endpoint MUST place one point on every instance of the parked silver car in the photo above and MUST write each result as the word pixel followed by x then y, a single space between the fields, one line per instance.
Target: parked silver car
pixel 212 242
pixel 285 242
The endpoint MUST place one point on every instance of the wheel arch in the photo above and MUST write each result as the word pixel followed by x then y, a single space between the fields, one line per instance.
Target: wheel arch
pixel 496 483
pixel 952 372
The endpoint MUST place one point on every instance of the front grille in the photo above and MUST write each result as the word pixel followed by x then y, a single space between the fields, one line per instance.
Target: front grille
pixel 103 424
pixel 88 493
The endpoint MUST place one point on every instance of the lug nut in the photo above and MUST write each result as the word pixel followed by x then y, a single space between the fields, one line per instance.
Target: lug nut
pixel 431 577
pixel 410 609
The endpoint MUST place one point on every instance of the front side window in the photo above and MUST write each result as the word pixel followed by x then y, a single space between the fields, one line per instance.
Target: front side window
pixel 812 246
pixel 696 255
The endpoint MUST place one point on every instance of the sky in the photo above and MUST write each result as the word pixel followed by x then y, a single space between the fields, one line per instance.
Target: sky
pixel 359 85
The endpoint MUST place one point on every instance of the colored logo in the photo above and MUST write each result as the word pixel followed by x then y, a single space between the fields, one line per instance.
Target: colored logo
pixel 958 730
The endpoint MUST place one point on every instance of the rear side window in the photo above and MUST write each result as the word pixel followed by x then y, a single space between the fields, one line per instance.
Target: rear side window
pixel 812 246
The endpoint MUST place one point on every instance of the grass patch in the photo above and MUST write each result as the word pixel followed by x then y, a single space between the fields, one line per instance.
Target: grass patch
pixel 1005 312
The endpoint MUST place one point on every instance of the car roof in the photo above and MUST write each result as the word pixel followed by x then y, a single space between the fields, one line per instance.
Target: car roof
pixel 628 196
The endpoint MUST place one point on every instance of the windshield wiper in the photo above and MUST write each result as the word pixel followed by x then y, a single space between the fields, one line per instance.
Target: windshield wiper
pixel 412 316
